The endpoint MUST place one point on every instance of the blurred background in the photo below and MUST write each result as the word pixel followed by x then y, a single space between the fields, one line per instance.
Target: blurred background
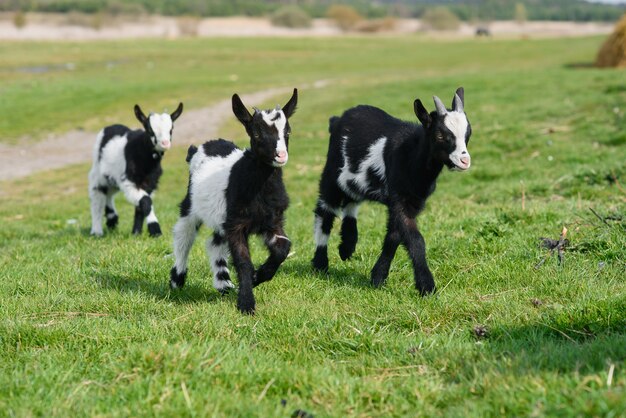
pixel 101 19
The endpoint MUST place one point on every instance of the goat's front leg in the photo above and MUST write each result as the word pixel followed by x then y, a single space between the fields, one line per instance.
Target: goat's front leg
pixel 240 252
pixel 143 208
pixel 279 245
pixel 380 272
pixel 416 247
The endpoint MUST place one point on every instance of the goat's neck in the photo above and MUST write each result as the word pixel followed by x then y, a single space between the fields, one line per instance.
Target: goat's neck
pixel 145 144
pixel 263 172
pixel 427 170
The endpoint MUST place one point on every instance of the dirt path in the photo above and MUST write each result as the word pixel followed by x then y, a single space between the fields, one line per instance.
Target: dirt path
pixel 75 147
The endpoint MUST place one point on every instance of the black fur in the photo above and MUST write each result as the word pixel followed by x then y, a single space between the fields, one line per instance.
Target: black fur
pixel 143 162
pixel 218 147
pixel 111 217
pixel 138 221
pixel 191 151
pixel 413 156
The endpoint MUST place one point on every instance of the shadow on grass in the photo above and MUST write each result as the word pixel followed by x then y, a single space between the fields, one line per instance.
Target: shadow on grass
pixel 538 347
pixel 583 340
pixel 342 274
pixel 191 293
pixel 580 65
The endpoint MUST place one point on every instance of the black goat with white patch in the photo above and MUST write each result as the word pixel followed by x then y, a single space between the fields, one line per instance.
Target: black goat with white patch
pixel 237 193
pixel 129 161
pixel 374 156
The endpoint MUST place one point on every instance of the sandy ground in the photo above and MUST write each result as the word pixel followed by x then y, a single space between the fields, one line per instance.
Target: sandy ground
pixel 193 127
pixel 58 27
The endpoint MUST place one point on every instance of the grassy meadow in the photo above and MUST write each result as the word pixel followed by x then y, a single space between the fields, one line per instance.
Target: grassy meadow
pixel 89 326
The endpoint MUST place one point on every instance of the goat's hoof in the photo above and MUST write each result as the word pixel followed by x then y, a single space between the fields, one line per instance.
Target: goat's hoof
pixel 246 310
pixel 177 280
pixel 346 250
pixel 154 230
pixel 96 234
pixel 112 222
pixel 246 304
pixel 427 291
pixel 224 286
pixel 378 282
pixel 320 260
pixel 426 287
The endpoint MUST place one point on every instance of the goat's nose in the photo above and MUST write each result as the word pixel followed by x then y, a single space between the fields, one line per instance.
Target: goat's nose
pixel 281 154
pixel 465 160
pixel 166 144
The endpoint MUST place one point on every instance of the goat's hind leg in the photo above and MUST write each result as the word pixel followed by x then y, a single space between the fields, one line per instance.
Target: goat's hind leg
pixel 98 202
pixel 349 231
pixel 185 232
pixel 217 250
pixel 380 271
pixel 278 245
pixel 109 210
pixel 324 218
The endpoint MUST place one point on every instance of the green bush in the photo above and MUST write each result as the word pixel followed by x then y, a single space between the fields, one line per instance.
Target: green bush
pixel 440 18
pixel 291 17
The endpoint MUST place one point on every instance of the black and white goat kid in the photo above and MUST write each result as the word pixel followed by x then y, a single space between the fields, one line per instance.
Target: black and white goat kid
pixel 129 161
pixel 374 156
pixel 237 193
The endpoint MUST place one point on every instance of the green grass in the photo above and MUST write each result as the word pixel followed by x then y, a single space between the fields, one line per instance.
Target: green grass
pixel 89 327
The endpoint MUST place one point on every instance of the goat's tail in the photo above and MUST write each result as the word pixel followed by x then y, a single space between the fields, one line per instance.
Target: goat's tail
pixel 332 123
pixel 191 152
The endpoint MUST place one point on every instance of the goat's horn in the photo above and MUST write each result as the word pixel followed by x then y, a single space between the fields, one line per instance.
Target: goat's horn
pixel 441 108
pixel 277 107
pixel 457 103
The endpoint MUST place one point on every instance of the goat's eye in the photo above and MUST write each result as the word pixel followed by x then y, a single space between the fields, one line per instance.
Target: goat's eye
pixel 439 136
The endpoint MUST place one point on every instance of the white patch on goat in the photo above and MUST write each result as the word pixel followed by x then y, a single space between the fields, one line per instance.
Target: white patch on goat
pixel 185 232
pixel 209 180
pixel 374 161
pixel 329 208
pixel 457 123
pixel 351 210
pixel 132 193
pixel 161 124
pixel 112 162
pixel 321 239
pixel 151 216
pixel 279 123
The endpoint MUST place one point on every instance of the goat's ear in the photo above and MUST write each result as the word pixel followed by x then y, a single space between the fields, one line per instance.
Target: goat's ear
pixel 177 112
pixel 421 113
pixel 458 103
pixel 240 110
pixel 290 108
pixel 140 115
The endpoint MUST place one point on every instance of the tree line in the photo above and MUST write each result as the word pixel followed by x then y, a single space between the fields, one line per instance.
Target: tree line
pixel 576 10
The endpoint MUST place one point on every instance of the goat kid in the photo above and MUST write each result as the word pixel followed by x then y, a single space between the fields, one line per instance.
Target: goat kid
pixel 129 161
pixel 374 156
pixel 237 193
